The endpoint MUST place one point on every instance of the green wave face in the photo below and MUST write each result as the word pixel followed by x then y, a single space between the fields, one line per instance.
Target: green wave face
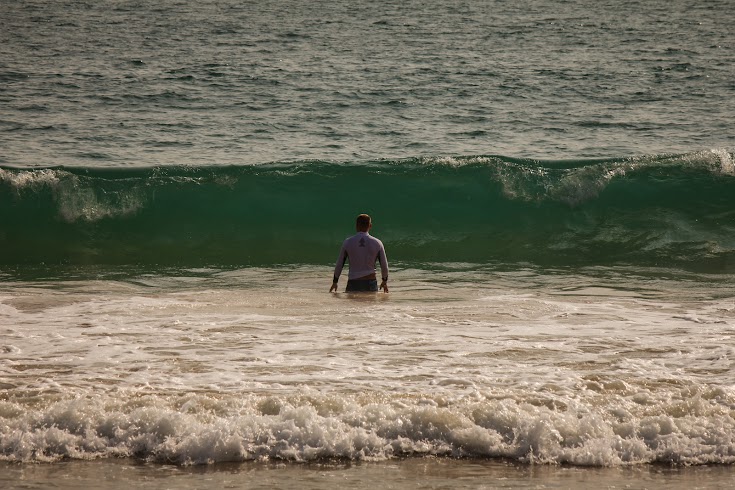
pixel 671 210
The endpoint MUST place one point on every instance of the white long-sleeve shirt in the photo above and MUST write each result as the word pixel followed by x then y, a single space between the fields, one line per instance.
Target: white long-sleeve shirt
pixel 362 250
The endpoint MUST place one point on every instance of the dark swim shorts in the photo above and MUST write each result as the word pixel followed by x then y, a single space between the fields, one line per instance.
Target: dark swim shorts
pixel 362 285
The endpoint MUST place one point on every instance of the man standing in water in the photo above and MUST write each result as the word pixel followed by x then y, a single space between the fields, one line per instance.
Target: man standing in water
pixel 362 250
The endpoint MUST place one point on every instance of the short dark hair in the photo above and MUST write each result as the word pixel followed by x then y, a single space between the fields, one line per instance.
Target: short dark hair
pixel 363 222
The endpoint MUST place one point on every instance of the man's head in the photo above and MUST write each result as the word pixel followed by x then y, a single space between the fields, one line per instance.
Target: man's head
pixel 363 223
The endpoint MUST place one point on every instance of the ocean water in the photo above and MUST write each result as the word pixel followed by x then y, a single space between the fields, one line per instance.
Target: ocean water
pixel 554 183
pixel 118 82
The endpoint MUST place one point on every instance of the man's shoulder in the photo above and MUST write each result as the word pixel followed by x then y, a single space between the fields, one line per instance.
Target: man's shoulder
pixel 362 236
pixel 376 239
pixel 352 238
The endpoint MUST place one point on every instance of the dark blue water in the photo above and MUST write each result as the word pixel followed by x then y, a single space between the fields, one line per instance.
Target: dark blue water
pixel 233 82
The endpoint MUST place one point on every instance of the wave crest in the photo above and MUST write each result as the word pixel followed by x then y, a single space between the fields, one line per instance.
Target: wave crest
pixel 653 210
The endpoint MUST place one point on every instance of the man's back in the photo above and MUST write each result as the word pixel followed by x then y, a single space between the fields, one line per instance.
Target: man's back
pixel 363 250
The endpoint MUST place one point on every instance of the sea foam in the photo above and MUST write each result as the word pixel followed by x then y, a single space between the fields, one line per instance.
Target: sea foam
pixel 203 429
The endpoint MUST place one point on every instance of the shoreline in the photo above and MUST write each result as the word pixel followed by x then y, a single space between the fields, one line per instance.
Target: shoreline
pixel 404 473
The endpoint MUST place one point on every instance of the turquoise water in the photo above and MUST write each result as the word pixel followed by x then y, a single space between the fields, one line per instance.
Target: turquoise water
pixel 553 181
pixel 674 210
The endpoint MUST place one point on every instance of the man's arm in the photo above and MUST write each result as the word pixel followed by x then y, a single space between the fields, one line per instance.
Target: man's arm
pixel 383 268
pixel 338 268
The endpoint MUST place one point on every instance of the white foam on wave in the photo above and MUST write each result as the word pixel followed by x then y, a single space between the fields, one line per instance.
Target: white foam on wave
pixel 202 429
pixel 717 160
pixel 727 165
pixel 84 204
pixel 75 198
pixel 20 180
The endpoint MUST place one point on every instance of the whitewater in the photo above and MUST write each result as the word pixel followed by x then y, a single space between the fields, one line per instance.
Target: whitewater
pixel 600 367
